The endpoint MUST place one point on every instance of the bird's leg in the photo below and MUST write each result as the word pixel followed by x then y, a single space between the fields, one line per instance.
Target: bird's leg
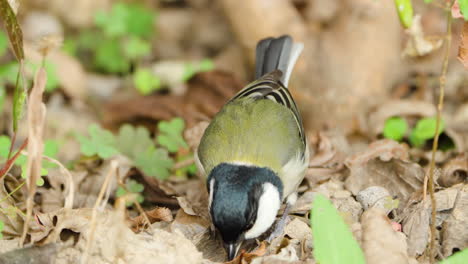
pixel 280 224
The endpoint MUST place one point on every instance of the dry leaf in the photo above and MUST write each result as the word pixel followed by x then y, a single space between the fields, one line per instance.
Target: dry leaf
pixel 418 44
pixel 454 171
pixel 463 48
pixel 247 257
pixel 416 218
pixel 454 230
pixel 10 214
pixel 157 214
pixel 382 244
pixel 384 164
pixel 207 93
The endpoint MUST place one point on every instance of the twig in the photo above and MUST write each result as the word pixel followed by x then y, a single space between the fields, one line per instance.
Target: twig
pixel 11 160
pixel 183 163
pixel 92 223
pixel 12 192
pixel 440 106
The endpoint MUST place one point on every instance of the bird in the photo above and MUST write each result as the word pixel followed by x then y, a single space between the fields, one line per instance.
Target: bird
pixel 254 152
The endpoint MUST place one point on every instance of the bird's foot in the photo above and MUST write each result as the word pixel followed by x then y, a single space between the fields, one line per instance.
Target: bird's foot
pixel 280 225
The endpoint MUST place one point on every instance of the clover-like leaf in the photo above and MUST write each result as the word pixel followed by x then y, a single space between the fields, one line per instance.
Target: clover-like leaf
pixel 109 57
pixel 155 162
pixel 135 47
pixel 132 141
pixel 100 142
pixel 140 20
pixel 395 128
pixel 113 23
pixel 133 187
pixel 170 134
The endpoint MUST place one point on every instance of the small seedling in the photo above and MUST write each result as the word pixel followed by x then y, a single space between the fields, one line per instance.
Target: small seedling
pixel 51 148
pixel 425 130
pixel 395 128
pixel 133 187
pixel 171 134
pixel 100 142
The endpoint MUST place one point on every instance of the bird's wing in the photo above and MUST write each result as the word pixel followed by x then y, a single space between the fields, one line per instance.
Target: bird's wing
pixel 270 87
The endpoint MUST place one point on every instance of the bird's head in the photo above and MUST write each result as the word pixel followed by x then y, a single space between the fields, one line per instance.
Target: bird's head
pixel 244 201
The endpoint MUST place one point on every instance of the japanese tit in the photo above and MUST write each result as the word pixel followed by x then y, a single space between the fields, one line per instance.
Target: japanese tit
pixel 254 152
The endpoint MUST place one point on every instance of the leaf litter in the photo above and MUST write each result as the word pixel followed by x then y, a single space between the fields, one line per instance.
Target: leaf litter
pixel 375 185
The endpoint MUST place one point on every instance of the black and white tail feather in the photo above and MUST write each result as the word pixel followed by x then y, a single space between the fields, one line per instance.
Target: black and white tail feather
pixel 275 60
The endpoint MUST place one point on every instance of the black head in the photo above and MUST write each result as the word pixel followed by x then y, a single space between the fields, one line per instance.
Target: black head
pixel 235 191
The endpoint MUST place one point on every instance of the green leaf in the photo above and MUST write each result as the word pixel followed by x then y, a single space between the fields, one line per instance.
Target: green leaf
pixel 145 81
pixel 464 8
pixel 113 23
pixel 2 226
pixel 395 128
pixel 170 134
pixel 405 12
pixel 135 48
pixel 109 57
pixel 135 187
pixel 3 43
pixel 457 258
pixel 120 192
pixel 155 162
pixel 425 130
pixel 5 143
pixel 140 20
pixel 101 142
pixel 13 28
pixel 193 68
pixel 333 241
pixel 133 141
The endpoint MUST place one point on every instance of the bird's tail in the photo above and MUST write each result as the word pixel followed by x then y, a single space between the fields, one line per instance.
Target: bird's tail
pixel 277 54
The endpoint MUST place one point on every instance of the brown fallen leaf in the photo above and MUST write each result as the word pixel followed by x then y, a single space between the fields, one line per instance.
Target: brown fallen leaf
pixel 247 257
pixel 380 242
pixel 206 94
pixel 454 171
pixel 463 48
pixel 10 214
pixel 157 214
pixel 454 230
pixel 416 216
pixel 384 164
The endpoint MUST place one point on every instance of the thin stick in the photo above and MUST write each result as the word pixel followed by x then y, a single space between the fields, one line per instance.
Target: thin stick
pixel 92 223
pixel 12 192
pixel 440 106
pixel 71 188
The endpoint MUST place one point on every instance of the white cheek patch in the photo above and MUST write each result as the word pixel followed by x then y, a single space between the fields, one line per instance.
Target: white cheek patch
pixel 210 199
pixel 268 206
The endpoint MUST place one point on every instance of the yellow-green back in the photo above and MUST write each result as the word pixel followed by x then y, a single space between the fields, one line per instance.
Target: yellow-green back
pixel 263 133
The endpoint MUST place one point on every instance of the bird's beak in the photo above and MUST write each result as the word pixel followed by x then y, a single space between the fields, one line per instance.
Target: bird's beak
pixel 231 250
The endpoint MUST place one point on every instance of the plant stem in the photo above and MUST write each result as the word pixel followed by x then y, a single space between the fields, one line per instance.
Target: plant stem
pixel 440 105
pixel 12 192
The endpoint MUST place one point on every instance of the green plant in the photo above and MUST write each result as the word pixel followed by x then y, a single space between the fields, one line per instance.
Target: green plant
pixel 145 81
pixel 51 148
pixel 395 128
pixel 136 144
pixel 124 34
pixel 2 226
pixel 171 134
pixel 457 258
pixel 425 130
pixel 131 186
pixel 405 12
pixel 3 43
pixel 333 241
pixel 193 68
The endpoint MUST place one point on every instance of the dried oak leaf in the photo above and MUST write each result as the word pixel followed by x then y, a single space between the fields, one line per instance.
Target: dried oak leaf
pixel 380 242
pixel 454 171
pixel 463 49
pixel 454 230
pixel 416 216
pixel 207 93
pixel 247 257
pixel 156 214
pixel 384 164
